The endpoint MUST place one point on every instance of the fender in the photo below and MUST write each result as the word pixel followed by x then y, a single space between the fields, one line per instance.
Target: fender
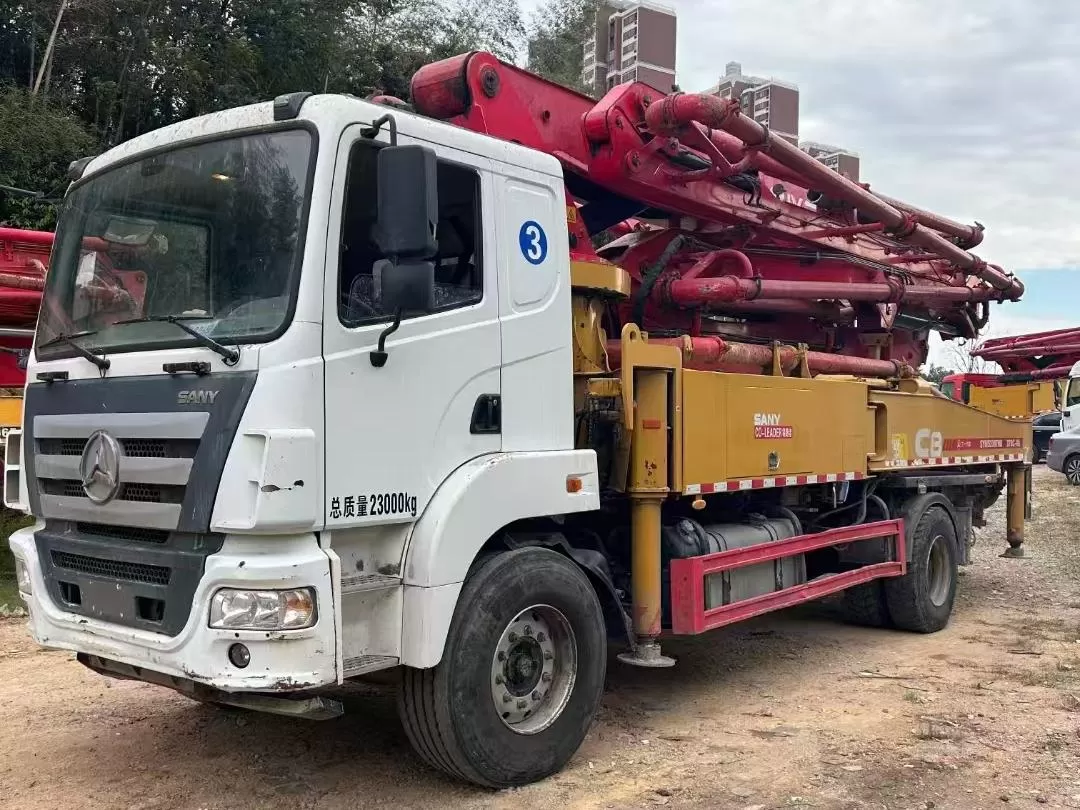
pixel 913 509
pixel 487 494
pixel 477 500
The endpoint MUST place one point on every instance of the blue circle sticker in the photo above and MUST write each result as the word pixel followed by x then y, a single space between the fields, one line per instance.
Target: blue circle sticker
pixel 533 242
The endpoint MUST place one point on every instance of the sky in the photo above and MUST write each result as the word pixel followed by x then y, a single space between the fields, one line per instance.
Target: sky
pixel 970 108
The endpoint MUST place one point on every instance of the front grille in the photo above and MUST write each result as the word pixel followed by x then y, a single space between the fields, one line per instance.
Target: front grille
pixel 115 569
pixel 132 448
pixel 146 493
pixel 128 533
pixel 145 448
pixel 141 493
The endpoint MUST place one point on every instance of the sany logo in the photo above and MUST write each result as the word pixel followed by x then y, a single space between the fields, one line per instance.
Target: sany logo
pixel 767 426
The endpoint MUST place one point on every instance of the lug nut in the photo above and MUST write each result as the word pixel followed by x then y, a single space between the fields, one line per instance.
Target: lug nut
pixel 507 698
pixel 548 655
pixel 498 679
pixel 546 677
pixel 535 695
pixel 541 637
pixel 528 630
pixel 521 704
pixel 501 656
pixel 513 637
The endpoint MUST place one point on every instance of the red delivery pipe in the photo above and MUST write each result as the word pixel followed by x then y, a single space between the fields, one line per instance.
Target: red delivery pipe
pixel 717 354
pixel 969 236
pixel 698 292
pixel 43 238
pixel 822 310
pixel 21 282
pixel 676 111
pixel 734 150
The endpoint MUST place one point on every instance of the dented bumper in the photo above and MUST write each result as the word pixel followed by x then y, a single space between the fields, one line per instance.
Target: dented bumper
pixel 280 661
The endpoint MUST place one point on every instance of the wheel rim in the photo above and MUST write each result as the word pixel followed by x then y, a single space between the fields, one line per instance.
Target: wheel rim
pixel 534 669
pixel 1072 470
pixel 938 570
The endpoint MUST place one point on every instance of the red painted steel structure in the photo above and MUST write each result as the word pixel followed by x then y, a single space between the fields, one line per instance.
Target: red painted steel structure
pixel 689 616
pixel 726 229
pixel 1037 356
pixel 24 258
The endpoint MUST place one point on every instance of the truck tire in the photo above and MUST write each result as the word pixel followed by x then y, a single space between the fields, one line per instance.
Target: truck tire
pixel 521 676
pixel 921 601
pixel 865 606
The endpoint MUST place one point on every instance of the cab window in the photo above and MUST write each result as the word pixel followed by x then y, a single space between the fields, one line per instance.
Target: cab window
pixel 1072 396
pixel 458 271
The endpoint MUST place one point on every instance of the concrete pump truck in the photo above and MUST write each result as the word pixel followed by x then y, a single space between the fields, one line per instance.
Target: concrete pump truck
pixel 472 386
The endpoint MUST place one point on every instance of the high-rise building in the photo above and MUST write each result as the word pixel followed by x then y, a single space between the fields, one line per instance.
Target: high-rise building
pixel 775 104
pixel 839 160
pixel 770 102
pixel 630 41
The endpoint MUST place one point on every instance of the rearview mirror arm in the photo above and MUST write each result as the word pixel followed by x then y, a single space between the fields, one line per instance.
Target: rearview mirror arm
pixel 379 356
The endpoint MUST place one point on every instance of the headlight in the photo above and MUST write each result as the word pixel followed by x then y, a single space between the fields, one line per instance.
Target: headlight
pixel 22 577
pixel 234 609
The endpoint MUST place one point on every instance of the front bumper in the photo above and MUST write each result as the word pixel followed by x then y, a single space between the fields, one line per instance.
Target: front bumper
pixel 281 661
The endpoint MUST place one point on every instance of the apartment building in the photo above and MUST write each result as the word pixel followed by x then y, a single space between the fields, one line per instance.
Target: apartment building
pixel 630 41
pixel 836 158
pixel 775 104
pixel 770 102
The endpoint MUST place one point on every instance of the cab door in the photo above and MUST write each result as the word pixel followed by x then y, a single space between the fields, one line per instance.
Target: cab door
pixel 394 433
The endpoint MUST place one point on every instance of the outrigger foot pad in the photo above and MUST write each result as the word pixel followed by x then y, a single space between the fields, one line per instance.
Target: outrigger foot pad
pixel 647 654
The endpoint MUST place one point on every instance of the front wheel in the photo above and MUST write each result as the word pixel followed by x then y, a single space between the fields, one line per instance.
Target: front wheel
pixel 521 677
pixel 1071 468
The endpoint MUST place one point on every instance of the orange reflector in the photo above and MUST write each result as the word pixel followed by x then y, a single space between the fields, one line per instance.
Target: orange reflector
pixel 573 484
pixel 651 424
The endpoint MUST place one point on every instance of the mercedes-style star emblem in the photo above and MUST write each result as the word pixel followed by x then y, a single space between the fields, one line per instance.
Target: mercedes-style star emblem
pixel 99 467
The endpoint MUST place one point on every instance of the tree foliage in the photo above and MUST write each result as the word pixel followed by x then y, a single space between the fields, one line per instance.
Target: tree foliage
pixel 557 34
pixel 37 142
pixel 935 373
pixel 120 68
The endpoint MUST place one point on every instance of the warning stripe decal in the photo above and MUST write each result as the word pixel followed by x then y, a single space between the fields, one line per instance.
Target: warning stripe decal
pixel 744 484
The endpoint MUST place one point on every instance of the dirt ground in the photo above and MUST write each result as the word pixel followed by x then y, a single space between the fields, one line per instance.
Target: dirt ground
pixel 796 710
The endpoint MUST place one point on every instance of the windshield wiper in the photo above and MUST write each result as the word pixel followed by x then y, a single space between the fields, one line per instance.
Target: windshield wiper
pixel 98 360
pixel 231 356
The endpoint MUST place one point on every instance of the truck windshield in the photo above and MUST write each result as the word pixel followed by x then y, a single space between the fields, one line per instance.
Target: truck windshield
pixel 210 232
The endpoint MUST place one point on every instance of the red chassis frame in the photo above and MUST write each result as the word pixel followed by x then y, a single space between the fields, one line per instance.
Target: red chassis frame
pixel 690 617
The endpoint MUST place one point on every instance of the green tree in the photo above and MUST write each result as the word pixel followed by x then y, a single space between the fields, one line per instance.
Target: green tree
pixel 557 34
pixel 935 374
pixel 37 143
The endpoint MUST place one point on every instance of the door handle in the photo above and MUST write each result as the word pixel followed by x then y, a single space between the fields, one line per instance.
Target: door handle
pixel 487 415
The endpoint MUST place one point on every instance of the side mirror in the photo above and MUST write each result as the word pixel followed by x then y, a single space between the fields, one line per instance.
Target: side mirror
pixel 407 287
pixel 408 202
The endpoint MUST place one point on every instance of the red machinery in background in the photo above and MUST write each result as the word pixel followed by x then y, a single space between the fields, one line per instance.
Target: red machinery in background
pixel 24 258
pixel 740 239
pixel 1036 356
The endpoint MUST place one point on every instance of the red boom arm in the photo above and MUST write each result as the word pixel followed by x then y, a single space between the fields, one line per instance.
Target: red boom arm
pixel 738 233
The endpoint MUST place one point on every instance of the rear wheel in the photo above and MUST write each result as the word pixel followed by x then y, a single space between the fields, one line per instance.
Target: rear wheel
pixel 922 600
pixel 1071 468
pixel 865 605
pixel 521 677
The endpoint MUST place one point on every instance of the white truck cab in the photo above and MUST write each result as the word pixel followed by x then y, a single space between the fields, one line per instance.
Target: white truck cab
pixel 1070 405
pixel 296 364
